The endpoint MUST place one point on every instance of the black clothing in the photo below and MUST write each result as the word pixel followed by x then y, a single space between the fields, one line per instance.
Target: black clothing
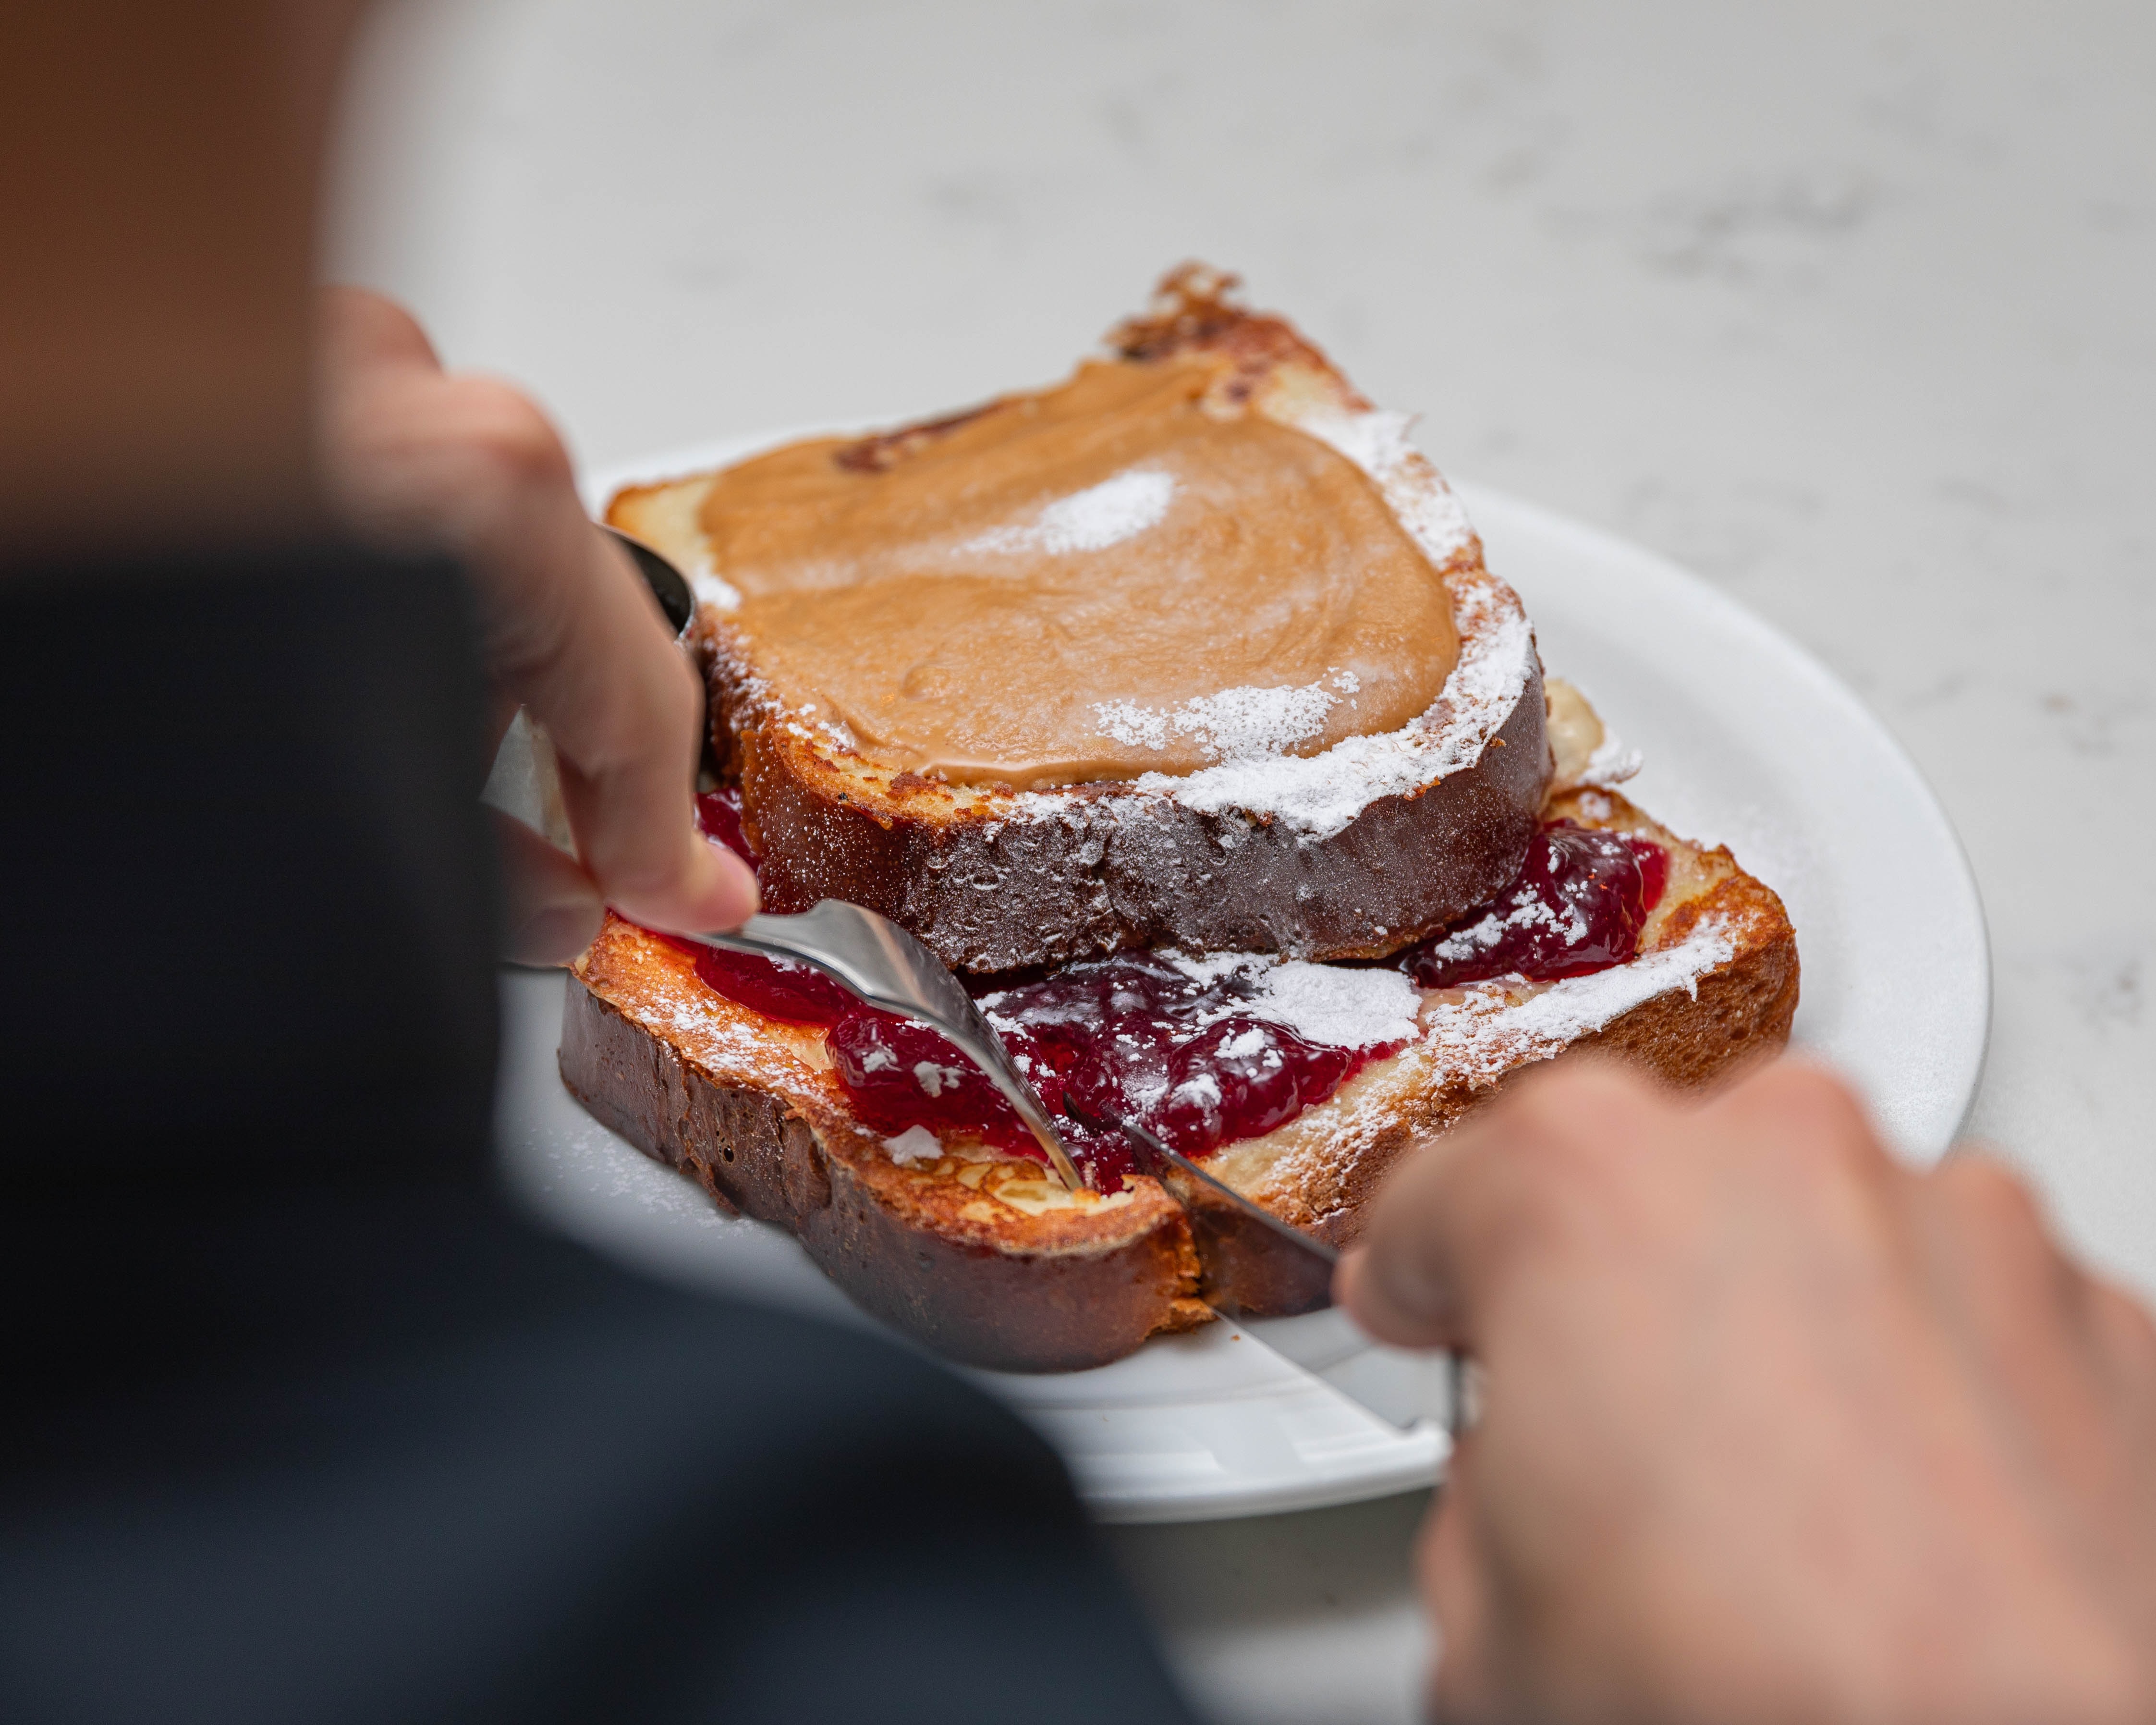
pixel 304 1421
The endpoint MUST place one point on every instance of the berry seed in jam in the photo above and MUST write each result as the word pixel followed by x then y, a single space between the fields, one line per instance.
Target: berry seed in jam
pixel 1576 907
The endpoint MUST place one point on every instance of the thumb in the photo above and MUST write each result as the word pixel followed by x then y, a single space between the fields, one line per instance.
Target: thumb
pixel 1392 1297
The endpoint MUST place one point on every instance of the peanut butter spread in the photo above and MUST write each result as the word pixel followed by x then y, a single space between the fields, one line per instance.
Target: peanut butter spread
pixel 1119 576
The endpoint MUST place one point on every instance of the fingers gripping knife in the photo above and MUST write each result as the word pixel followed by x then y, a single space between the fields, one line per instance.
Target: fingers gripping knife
pixel 524 781
pixel 865 954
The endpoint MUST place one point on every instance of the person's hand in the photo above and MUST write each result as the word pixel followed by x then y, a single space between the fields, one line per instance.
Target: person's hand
pixel 417 457
pixel 1772 1427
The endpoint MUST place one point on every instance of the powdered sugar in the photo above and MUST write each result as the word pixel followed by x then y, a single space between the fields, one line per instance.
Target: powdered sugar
pixel 1470 1038
pixel 1211 967
pixel 1338 1007
pixel 1482 1032
pixel 934 1079
pixel 1200 1087
pixel 1242 724
pixel 917 1143
pixel 1317 796
pixel 709 587
pixel 1132 726
pixel 1249 724
pixel 1612 763
pixel 1376 442
pixel 1118 508
pixel 1477 937
pixel 1325 1003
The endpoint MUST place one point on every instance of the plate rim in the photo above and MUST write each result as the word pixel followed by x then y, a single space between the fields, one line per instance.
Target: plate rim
pixel 1826 682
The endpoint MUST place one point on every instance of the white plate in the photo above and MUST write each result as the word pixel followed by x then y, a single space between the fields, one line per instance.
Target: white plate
pixel 1749 741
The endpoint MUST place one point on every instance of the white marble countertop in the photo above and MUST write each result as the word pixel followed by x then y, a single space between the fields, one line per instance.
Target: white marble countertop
pixel 1846 306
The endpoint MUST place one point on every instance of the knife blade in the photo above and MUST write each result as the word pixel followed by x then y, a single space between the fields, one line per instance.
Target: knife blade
pixel 1234 1239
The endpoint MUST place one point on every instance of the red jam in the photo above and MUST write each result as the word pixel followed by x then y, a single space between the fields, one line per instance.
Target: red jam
pixel 1135 1034
pixel 792 993
pixel 719 814
pixel 1576 907
pixel 1139 1035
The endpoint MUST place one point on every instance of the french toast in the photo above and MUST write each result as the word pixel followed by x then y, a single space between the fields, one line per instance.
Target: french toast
pixel 1192 650
pixel 1176 708
pixel 971 1245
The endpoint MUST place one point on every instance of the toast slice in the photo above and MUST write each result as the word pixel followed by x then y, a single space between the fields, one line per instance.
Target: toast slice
pixel 1238 843
pixel 984 1257
pixel 977 1251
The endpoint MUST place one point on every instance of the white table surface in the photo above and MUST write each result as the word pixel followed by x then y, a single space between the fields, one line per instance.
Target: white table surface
pixel 1850 307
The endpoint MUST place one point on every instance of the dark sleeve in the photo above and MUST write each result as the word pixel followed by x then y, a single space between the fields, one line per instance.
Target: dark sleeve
pixel 305 1422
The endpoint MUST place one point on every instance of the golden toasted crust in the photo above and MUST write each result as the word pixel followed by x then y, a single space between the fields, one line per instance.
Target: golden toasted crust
pixel 983 1259
pixel 993 880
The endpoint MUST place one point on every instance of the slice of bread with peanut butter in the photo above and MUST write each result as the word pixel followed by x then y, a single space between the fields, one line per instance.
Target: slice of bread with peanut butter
pixel 1176 706
pixel 1194 649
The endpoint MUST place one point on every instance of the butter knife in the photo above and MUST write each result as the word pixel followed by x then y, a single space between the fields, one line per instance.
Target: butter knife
pixel 1234 1239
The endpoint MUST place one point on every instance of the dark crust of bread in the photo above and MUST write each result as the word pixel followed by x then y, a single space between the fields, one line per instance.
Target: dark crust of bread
pixel 1006 1299
pixel 1250 1270
pixel 992 881
pixel 987 893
